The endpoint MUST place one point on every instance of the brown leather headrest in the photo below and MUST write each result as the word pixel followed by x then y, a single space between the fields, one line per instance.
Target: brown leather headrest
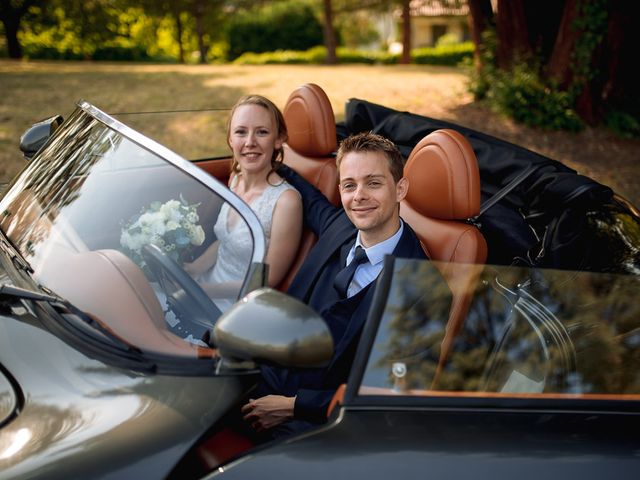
pixel 444 180
pixel 310 122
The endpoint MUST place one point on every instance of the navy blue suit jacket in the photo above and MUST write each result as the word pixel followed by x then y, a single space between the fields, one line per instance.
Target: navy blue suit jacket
pixel 336 234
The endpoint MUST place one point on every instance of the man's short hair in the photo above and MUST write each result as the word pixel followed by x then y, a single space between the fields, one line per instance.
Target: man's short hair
pixel 372 142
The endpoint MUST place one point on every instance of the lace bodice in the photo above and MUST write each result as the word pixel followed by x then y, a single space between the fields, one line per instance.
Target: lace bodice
pixel 236 243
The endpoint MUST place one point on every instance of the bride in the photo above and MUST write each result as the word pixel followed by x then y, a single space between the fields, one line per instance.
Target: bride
pixel 256 132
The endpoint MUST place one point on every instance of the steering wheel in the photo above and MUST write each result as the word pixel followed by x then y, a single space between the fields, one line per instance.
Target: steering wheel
pixel 186 299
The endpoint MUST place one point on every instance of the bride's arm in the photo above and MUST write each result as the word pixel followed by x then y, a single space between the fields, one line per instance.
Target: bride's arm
pixel 286 229
pixel 204 262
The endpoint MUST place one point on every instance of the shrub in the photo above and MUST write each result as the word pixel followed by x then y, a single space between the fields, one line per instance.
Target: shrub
pixel 284 25
pixel 521 94
pixel 119 53
pixel 349 55
pixel 41 52
pixel 316 55
pixel 447 54
pixel 623 123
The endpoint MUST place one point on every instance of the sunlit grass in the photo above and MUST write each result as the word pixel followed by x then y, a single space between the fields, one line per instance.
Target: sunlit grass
pixel 31 91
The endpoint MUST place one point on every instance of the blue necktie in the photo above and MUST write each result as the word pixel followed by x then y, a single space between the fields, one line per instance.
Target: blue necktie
pixel 344 276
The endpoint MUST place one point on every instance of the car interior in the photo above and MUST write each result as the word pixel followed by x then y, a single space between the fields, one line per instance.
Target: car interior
pixel 443 197
pixel 444 194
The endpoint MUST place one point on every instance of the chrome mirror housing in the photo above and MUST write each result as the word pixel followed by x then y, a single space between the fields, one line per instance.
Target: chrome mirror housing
pixel 267 326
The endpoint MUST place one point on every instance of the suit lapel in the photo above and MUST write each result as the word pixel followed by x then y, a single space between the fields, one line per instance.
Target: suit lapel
pixel 336 238
pixel 408 246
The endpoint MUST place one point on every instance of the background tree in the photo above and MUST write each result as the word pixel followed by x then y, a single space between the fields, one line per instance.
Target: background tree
pixel 406 32
pixel 11 13
pixel 553 59
pixel 329 32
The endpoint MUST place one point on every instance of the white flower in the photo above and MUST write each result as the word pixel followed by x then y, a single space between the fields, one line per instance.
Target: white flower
pixel 172 225
pixel 198 235
pixel 171 210
pixel 157 224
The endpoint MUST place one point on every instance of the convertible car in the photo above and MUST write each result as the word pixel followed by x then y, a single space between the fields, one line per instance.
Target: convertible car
pixel 513 352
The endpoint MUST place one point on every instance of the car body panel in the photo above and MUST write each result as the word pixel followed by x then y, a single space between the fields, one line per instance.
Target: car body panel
pixel 114 416
pixel 8 398
pixel 461 443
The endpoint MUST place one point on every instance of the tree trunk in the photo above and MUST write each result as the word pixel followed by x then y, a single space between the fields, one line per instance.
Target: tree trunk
pixel 513 35
pixel 607 60
pixel 624 77
pixel 198 13
pixel 559 66
pixel 179 33
pixel 406 33
pixel 11 26
pixel 11 16
pixel 329 34
pixel 480 17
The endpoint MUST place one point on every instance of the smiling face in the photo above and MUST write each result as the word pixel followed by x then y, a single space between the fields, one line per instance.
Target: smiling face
pixel 253 138
pixel 370 195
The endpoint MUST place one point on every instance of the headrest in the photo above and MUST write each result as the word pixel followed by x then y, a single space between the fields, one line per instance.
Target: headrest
pixel 444 179
pixel 310 122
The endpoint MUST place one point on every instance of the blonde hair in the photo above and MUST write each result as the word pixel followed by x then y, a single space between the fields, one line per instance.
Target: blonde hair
pixel 278 120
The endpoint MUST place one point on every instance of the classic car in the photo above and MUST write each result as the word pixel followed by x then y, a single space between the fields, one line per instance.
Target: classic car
pixel 513 351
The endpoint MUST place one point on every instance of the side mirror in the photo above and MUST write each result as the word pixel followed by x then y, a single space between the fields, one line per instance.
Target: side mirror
pixel 36 136
pixel 267 326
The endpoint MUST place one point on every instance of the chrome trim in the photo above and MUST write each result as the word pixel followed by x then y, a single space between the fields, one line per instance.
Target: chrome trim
pixel 259 240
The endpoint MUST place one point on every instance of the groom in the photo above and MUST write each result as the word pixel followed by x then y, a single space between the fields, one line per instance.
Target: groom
pixel 337 276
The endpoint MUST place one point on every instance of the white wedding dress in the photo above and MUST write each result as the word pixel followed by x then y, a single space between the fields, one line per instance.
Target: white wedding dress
pixel 235 241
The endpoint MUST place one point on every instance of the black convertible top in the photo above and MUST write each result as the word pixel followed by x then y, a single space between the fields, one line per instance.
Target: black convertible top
pixel 542 208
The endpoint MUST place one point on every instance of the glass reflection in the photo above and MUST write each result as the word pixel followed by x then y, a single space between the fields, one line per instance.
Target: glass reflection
pixel 526 331
pixel 81 213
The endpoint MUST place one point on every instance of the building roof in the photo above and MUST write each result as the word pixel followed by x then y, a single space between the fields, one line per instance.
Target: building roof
pixel 438 8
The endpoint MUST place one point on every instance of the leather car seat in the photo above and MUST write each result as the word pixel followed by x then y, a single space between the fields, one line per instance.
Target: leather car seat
pixel 310 151
pixel 442 200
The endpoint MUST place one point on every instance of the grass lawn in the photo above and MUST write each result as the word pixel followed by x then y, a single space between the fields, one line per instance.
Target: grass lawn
pixel 30 91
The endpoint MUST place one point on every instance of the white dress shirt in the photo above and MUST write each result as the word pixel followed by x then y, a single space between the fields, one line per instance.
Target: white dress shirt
pixel 369 271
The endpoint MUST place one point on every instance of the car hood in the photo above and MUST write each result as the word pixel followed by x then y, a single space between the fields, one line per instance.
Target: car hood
pixel 8 398
pixel 124 423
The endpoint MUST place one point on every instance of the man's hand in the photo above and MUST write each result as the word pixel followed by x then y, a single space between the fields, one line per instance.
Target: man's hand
pixel 268 412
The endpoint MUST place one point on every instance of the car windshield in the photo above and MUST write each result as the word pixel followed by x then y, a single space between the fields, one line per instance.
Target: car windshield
pixel 108 219
pixel 193 134
pixel 506 331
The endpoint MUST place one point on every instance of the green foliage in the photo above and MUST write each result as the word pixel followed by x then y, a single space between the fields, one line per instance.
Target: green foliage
pixel 480 81
pixel 356 29
pixel 624 124
pixel 522 95
pixel 283 25
pixel 447 54
pixel 592 25
pixel 447 39
pixel 218 52
pixel 350 55
pixel 315 55
pixel 120 53
pixel 3 43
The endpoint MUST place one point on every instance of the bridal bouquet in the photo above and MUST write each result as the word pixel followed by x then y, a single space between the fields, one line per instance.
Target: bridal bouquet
pixel 172 226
